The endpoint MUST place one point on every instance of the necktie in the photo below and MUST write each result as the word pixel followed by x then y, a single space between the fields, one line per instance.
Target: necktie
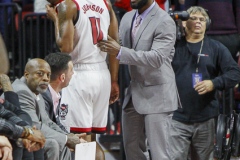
pixel 136 26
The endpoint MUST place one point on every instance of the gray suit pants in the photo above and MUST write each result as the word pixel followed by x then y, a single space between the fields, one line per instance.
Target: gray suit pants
pixel 52 152
pixel 136 127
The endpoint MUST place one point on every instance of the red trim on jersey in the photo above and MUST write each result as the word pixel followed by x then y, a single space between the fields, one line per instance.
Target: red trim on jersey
pixel 58 2
pixel 78 7
pixel 98 129
pixel 106 4
pixel 80 130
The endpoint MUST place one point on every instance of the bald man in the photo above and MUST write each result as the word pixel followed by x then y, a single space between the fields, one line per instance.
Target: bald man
pixel 35 81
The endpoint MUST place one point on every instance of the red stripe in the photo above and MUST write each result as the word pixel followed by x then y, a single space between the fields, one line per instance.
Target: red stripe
pixel 96 129
pixel 78 8
pixel 106 4
pixel 81 130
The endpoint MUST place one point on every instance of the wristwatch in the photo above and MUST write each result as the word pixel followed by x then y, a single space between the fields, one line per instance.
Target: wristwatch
pixel 27 132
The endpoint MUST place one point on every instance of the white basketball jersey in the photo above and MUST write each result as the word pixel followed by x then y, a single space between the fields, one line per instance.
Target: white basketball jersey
pixel 92 26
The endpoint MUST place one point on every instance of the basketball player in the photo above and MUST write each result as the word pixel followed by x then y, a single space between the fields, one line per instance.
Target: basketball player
pixel 79 26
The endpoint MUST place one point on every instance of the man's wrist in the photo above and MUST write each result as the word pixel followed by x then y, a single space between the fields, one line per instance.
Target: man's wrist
pixel 27 132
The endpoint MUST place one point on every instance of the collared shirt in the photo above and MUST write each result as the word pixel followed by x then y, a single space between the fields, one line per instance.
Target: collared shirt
pixel 143 16
pixel 145 13
pixel 55 97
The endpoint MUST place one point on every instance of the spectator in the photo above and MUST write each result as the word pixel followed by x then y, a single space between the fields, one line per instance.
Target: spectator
pixel 35 81
pixel 61 73
pixel 5 148
pixel 225 21
pixel 152 95
pixel 87 96
pixel 201 66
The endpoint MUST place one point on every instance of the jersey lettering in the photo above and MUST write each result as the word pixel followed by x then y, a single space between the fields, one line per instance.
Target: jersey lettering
pixel 97 33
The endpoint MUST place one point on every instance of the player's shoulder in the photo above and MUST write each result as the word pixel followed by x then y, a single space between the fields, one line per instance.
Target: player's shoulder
pixel 67 8
pixel 67 5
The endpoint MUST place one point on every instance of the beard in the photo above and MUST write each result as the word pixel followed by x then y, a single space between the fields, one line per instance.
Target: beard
pixel 40 89
pixel 139 5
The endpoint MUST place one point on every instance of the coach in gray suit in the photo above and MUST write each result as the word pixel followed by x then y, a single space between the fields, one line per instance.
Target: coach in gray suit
pixel 152 95
pixel 35 81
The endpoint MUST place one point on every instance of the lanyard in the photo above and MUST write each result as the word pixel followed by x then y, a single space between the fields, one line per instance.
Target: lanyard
pixel 199 55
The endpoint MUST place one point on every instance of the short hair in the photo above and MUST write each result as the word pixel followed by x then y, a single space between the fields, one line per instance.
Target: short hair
pixel 58 63
pixel 198 9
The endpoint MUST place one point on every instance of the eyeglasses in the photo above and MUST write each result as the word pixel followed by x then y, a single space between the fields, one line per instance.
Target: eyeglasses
pixel 201 19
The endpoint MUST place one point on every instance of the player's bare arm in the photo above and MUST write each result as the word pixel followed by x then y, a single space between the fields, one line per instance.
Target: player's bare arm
pixel 63 22
pixel 113 62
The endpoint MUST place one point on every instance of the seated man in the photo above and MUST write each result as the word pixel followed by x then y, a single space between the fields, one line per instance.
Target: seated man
pixel 11 114
pixel 12 125
pixel 35 81
pixel 11 103
pixel 61 72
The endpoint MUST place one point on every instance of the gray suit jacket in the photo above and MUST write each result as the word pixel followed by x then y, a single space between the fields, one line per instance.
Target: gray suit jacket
pixel 153 88
pixel 36 109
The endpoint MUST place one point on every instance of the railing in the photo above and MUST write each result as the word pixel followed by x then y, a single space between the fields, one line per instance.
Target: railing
pixel 10 28
pixel 38 36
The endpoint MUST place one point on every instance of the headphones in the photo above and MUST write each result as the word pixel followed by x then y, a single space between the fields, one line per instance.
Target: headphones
pixel 208 20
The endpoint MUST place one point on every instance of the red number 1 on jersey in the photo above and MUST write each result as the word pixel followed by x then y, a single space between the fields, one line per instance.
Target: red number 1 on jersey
pixel 97 33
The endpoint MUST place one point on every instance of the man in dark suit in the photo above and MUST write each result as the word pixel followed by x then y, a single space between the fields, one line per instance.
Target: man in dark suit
pixel 16 124
pixel 148 49
pixel 61 72
pixel 35 81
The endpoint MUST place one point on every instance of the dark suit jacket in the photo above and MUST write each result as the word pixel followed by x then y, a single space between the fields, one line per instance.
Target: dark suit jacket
pixel 49 109
pixel 11 103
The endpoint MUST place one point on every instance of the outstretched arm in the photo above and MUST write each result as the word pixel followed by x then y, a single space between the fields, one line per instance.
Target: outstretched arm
pixel 113 62
pixel 63 22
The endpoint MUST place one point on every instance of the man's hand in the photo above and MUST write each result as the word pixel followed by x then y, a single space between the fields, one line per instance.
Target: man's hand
pixel 5 153
pixel 51 13
pixel 5 83
pixel 110 46
pixel 114 93
pixel 31 146
pixel 4 142
pixel 37 136
pixel 82 137
pixel 5 149
pixel 204 86
pixel 72 140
